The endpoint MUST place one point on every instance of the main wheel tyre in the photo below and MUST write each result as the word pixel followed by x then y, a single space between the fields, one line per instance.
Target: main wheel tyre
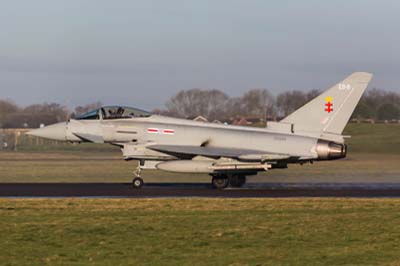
pixel 220 182
pixel 137 183
pixel 237 181
pixel 242 180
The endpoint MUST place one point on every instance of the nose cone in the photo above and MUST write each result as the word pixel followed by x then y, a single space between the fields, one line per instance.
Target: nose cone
pixel 54 132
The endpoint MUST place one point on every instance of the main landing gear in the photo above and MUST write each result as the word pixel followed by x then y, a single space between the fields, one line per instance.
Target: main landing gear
pixel 224 180
pixel 137 182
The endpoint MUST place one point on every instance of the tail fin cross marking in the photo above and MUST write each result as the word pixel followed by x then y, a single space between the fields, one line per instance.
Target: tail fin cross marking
pixel 328 104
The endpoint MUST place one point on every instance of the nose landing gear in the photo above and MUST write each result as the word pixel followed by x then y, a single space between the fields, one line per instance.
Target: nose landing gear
pixel 137 182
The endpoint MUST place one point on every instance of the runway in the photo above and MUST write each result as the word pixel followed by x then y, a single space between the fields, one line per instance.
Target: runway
pixel 178 190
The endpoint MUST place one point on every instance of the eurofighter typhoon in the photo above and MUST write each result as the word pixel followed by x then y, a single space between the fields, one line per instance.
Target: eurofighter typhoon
pixel 227 153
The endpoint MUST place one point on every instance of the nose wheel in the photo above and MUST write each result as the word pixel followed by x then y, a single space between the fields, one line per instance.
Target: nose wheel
pixel 137 183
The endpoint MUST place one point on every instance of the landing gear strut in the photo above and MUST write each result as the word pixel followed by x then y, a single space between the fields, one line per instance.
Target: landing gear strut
pixel 223 181
pixel 137 182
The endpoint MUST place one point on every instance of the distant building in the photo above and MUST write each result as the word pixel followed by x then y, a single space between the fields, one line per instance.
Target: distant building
pixel 241 122
pixel 198 118
pixel 227 121
pixel 369 121
pixel 365 120
pixel 254 120
pixel 392 121
pixel 246 121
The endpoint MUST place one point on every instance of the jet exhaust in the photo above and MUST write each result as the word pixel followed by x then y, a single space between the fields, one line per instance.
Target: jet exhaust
pixel 329 150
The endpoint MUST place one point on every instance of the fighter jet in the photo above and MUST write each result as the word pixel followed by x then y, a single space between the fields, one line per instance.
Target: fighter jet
pixel 227 153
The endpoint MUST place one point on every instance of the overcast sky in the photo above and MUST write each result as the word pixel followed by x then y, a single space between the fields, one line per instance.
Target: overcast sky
pixel 140 53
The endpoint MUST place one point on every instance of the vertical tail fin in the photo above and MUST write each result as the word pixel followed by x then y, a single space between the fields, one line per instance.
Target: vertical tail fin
pixel 330 111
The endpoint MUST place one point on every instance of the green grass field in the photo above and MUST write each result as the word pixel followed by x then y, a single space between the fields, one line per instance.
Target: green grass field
pixel 374 138
pixel 200 232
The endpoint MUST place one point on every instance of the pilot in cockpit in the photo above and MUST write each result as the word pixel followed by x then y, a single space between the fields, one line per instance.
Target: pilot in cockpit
pixel 111 113
pixel 116 113
pixel 120 112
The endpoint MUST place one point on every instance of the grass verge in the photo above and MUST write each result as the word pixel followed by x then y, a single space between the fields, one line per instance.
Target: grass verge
pixel 200 232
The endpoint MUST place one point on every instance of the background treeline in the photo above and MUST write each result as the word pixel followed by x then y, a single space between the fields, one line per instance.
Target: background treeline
pixel 376 104
pixel 14 116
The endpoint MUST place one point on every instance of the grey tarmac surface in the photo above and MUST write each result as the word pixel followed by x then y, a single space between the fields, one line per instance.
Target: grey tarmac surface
pixel 167 190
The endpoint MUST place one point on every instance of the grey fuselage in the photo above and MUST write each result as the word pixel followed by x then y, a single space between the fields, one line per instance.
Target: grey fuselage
pixel 148 131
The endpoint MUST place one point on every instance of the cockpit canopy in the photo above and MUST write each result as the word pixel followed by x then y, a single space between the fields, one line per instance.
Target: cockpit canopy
pixel 114 112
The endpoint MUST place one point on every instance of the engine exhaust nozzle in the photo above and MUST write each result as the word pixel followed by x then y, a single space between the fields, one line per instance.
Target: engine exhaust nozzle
pixel 329 150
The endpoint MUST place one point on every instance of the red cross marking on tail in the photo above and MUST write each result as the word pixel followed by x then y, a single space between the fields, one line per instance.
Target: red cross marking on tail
pixel 329 107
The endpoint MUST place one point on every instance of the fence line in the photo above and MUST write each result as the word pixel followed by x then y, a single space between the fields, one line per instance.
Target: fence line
pixel 12 139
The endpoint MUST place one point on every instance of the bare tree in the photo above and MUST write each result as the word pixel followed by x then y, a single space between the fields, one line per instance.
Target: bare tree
pixel 191 103
pixel 312 94
pixel 388 111
pixel 35 115
pixel 288 102
pixel 56 110
pixel 258 102
pixel 364 111
pixel 233 108
pixel 374 102
pixel 6 108
pixel 213 104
